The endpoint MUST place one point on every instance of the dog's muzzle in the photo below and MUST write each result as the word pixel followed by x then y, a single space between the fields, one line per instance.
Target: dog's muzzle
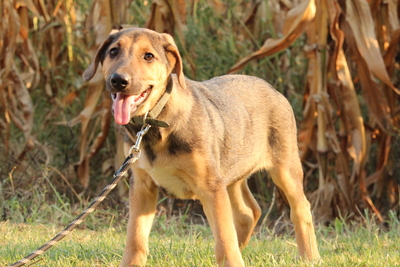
pixel 119 81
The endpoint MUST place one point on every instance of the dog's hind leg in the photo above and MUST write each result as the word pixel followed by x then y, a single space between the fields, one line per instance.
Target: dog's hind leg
pixel 289 177
pixel 246 211
pixel 143 196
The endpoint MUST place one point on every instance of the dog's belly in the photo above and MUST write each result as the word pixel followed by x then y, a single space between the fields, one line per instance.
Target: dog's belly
pixel 173 181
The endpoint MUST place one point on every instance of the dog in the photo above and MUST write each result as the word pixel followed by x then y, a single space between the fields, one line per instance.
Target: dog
pixel 208 138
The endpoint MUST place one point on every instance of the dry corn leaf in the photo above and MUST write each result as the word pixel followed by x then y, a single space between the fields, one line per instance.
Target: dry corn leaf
pixel 382 161
pixel 374 96
pixel 351 115
pixel 295 23
pixel 181 7
pixel 308 130
pixel 350 111
pixel 340 73
pixel 94 92
pixel 104 111
pixel 18 107
pixel 29 4
pixel 161 18
pixel 21 110
pixel 359 17
pixel 341 167
pixel 255 18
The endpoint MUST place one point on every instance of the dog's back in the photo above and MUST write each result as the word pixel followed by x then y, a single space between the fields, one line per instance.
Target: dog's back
pixel 250 122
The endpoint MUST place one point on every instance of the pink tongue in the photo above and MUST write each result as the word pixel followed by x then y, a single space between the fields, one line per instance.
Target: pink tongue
pixel 123 105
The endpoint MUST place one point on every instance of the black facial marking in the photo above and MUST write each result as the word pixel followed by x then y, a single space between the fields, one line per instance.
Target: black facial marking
pixel 103 50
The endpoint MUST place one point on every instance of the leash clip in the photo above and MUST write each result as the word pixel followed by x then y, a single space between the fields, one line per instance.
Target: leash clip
pixel 139 137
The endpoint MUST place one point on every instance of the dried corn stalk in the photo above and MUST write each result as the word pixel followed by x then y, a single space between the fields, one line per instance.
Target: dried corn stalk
pixel 15 102
pixel 333 130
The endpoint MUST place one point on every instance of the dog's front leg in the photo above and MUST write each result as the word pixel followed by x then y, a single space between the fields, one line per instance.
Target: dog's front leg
pixel 143 195
pixel 218 210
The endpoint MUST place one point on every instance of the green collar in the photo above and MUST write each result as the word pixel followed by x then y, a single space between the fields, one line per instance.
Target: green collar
pixel 150 117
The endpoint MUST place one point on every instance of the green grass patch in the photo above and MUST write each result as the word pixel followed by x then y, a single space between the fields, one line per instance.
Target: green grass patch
pixel 174 243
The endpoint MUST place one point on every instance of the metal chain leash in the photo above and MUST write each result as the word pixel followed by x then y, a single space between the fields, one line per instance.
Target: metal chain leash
pixel 134 154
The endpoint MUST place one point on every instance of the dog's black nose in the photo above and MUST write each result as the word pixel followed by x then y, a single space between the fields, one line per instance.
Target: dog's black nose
pixel 119 81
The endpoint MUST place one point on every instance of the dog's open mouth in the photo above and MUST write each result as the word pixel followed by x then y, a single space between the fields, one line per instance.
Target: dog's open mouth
pixel 125 105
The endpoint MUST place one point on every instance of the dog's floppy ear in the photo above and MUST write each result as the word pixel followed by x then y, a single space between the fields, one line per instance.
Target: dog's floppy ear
pixel 98 58
pixel 174 58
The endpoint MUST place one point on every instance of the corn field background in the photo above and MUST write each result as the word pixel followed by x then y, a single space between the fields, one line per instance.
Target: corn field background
pixel 338 63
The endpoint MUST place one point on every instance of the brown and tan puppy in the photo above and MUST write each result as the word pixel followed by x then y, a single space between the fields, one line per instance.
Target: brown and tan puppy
pixel 221 131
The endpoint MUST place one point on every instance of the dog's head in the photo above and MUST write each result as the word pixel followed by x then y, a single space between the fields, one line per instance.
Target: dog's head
pixel 137 64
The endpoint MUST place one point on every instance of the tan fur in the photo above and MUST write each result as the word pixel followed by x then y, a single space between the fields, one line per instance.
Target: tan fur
pixel 222 131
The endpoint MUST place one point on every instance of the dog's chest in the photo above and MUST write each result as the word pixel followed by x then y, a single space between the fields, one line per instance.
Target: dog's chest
pixel 172 162
pixel 173 181
pixel 171 176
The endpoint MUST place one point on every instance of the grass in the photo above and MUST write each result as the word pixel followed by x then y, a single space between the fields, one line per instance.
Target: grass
pixel 174 243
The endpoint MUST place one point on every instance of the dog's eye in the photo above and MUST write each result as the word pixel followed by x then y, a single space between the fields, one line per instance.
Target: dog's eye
pixel 148 57
pixel 113 52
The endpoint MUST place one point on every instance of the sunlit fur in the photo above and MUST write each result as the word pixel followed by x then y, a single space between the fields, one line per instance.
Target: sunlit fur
pixel 222 130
